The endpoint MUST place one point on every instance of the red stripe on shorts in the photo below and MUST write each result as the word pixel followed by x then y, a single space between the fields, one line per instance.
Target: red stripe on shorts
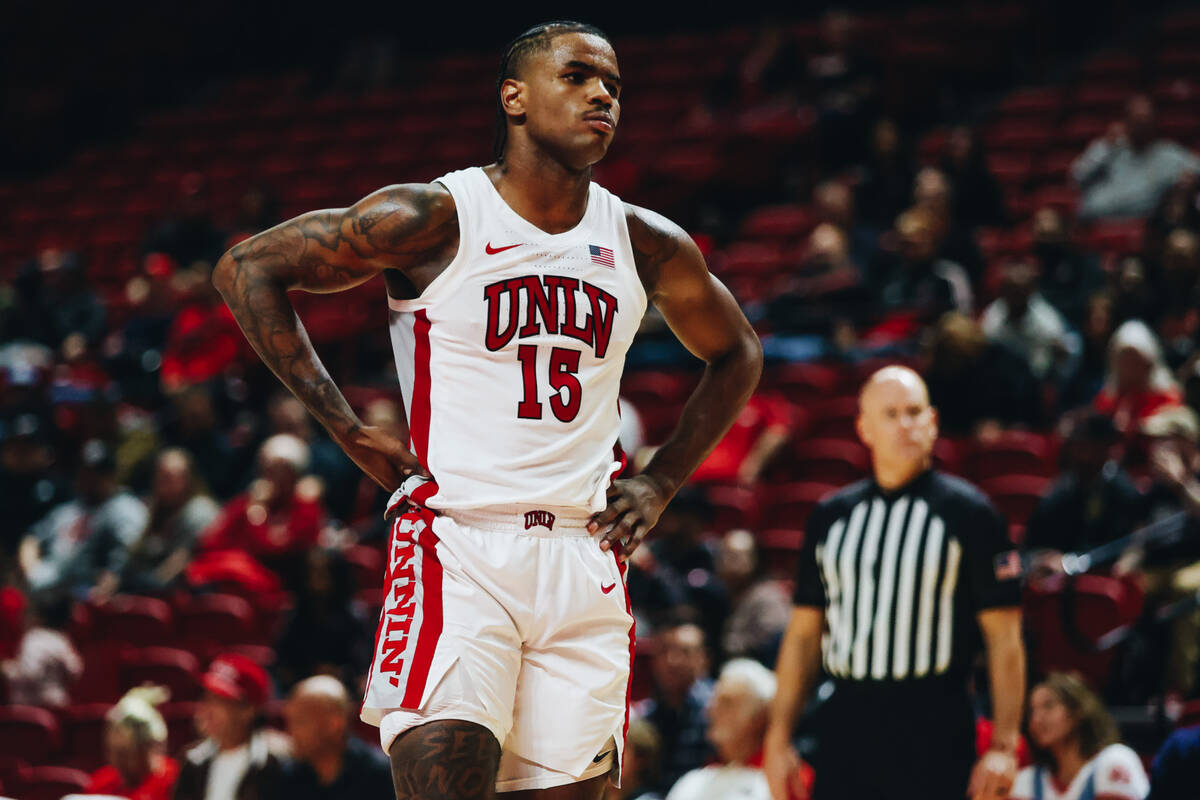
pixel 387 590
pixel 431 618
pixel 419 415
pixel 632 647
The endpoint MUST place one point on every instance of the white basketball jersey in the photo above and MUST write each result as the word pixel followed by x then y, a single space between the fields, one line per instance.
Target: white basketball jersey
pixel 510 361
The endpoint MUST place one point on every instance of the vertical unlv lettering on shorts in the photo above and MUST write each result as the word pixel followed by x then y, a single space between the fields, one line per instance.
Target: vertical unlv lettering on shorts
pixel 411 621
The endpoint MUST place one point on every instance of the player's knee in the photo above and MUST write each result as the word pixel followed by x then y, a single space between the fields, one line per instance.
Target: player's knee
pixel 453 759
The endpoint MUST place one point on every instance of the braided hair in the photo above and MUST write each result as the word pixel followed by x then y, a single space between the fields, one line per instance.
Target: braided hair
pixel 535 40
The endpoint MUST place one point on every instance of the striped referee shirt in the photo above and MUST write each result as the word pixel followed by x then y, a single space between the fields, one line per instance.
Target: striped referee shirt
pixel 902 574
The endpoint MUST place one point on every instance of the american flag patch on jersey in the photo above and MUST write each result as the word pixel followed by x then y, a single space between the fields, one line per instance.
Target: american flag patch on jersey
pixel 602 256
pixel 1008 566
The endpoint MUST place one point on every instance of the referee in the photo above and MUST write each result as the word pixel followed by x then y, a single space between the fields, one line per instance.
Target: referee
pixel 900 578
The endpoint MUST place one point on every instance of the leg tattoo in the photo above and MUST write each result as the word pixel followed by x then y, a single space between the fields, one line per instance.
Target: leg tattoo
pixel 445 760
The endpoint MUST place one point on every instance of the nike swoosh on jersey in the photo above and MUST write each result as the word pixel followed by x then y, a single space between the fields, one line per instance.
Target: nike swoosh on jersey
pixel 601 757
pixel 607 589
pixel 491 251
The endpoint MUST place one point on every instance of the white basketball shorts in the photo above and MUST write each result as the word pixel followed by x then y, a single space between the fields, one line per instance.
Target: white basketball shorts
pixel 512 618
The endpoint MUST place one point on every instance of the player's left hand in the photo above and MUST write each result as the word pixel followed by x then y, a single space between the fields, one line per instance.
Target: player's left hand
pixel 634 506
pixel 993 776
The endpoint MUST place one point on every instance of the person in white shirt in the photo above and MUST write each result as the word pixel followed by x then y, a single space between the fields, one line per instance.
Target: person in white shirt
pixel 1024 321
pixel 1075 750
pixel 737 723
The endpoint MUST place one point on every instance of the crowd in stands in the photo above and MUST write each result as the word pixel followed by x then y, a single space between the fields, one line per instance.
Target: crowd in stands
pixel 159 486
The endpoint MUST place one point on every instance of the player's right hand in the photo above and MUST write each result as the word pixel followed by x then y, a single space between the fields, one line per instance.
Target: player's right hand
pixel 784 770
pixel 385 458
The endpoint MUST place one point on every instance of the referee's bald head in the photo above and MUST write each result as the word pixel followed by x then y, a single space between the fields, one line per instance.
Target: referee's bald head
pixel 896 423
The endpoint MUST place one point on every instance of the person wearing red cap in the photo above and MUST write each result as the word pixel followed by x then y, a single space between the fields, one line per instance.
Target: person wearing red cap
pixel 239 760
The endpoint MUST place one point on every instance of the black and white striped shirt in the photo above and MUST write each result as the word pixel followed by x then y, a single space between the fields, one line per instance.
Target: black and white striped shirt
pixel 901 576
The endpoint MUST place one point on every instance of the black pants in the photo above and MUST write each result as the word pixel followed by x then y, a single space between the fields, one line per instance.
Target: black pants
pixel 895 742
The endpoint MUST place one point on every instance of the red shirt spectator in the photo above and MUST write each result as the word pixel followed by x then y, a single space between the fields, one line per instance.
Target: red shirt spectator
pixel 757 434
pixel 157 785
pixel 1138 382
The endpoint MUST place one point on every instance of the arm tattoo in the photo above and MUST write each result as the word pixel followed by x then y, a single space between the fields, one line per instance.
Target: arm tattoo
pixel 445 760
pixel 326 251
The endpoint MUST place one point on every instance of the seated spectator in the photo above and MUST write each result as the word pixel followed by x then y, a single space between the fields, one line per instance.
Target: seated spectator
pixel 920 283
pixel 824 290
pixel 737 723
pixel 833 203
pixel 1175 773
pixel 135 744
pixel 328 761
pixel 884 188
pixel 1091 503
pixel 194 424
pixel 83 545
pixel 30 484
pixel 1177 319
pixel 1138 382
pixel 1068 277
pixel 978 199
pixel 1091 368
pixel 45 664
pixel 1126 173
pixel 762 428
pixel 327 632
pixel 337 472
pixel 1190 377
pixel 189 233
pixel 933 194
pixel 684 556
pixel 1022 320
pixel 1179 208
pixel 238 758
pixel 843 82
pixel 639 765
pixel 973 382
pixel 761 607
pixel 1076 752
pixel 59 300
pixel 204 338
pixel 1171 573
pixel 179 512
pixel 279 517
pixel 677 706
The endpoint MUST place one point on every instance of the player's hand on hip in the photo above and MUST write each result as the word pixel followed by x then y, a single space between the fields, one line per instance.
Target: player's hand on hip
pixel 784 771
pixel 634 506
pixel 385 458
pixel 993 776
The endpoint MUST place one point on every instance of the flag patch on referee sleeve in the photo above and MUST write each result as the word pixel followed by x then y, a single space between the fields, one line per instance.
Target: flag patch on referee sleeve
pixel 1008 566
pixel 602 256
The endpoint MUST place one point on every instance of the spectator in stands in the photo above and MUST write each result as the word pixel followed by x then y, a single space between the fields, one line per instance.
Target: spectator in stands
pixel 1092 366
pixel 1179 208
pixel 327 633
pixel 30 485
pixel 328 761
pixel 639 767
pixel 257 210
pixel 761 607
pixel 757 435
pixel 1126 173
pixel 1138 383
pixel 1076 752
pixel 189 235
pixel 45 663
pixel 843 84
pixel 686 558
pixel 1176 770
pixel 135 743
pixel 933 193
pixel 194 425
pixel 1177 318
pixel 279 517
pixel 682 691
pixel 978 199
pixel 654 593
pixel 204 338
pixel 239 759
pixel 975 383
pixel 1094 501
pixel 886 178
pixel 737 723
pixel 57 300
pixel 179 512
pixel 833 203
pixel 920 284
pixel 340 475
pixel 825 291
pixel 1190 378
pixel 1022 320
pixel 1068 277
pixel 83 545
pixel 1171 572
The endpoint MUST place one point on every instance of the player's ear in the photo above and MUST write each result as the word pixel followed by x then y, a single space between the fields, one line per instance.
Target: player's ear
pixel 861 430
pixel 933 421
pixel 512 97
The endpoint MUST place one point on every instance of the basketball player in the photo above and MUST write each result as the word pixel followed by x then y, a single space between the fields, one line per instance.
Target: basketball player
pixel 502 657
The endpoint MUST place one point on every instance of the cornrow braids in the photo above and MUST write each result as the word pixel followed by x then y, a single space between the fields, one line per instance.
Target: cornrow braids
pixel 535 40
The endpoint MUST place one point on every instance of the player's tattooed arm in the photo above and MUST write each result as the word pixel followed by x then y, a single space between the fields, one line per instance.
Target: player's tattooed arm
pixel 707 320
pixel 410 228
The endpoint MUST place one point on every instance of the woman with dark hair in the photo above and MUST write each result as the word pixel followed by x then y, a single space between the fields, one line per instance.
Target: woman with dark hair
pixel 1076 754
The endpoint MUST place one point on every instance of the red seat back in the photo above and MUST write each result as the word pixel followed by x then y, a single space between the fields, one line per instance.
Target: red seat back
pixel 178 670
pixel 53 783
pixel 28 733
pixel 787 506
pixel 83 735
pixel 1016 495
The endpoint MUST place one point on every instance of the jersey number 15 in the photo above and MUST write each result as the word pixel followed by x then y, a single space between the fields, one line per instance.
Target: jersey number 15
pixel 564 364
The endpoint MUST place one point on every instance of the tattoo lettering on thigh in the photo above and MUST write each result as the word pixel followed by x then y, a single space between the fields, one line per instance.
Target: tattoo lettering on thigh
pixel 449 760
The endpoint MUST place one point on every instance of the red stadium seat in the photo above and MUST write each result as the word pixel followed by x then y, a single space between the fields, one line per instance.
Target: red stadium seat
pixel 176 669
pixel 1016 495
pixel 128 618
pixel 211 621
pixel 777 223
pixel 648 388
pixel 1066 620
pixel 1040 103
pixel 838 461
pixel 1101 98
pixel 53 783
pixel 367 564
pixel 13 772
pixel 181 724
pixel 100 682
pixel 802 383
pixel 834 419
pixel 28 733
pixel 753 258
pixel 733 507
pixel 788 505
pixel 1015 453
pixel 1121 238
pixel 781 551
pixel 83 735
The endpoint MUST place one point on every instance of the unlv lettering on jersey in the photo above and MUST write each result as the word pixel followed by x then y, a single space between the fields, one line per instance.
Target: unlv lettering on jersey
pixel 398 617
pixel 544 296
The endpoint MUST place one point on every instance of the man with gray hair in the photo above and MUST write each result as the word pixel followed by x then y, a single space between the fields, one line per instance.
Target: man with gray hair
pixel 329 763
pixel 737 725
